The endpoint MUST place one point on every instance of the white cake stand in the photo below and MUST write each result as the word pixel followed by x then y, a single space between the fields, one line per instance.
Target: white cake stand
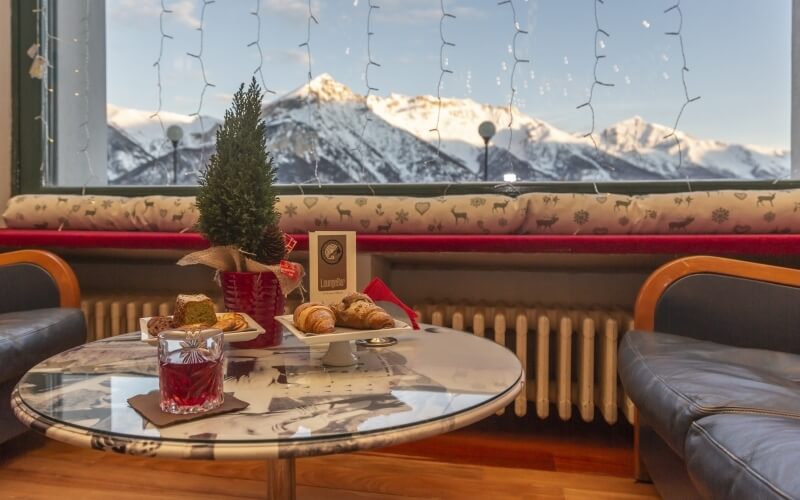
pixel 340 347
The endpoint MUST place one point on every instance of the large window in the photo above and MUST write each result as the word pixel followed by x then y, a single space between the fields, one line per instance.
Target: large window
pixel 394 91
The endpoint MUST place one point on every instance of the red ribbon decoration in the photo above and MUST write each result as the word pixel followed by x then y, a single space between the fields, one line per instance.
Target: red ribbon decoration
pixel 289 242
pixel 377 290
pixel 289 269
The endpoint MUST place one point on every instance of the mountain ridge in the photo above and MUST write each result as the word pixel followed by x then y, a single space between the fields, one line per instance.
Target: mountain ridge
pixel 328 132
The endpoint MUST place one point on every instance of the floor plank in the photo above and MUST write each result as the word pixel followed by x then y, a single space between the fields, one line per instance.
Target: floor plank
pixel 478 462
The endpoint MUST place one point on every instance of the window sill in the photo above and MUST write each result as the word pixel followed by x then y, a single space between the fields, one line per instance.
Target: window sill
pixel 715 244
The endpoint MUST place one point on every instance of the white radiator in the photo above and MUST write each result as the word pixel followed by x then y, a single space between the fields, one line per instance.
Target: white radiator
pixel 574 353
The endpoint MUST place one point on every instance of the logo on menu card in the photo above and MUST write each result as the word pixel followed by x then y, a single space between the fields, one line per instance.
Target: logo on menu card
pixel 333 268
pixel 331 252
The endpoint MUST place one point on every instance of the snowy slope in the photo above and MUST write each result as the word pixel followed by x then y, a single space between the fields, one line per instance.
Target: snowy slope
pixel 350 141
pixel 644 144
pixel 140 153
pixel 341 136
pixel 144 128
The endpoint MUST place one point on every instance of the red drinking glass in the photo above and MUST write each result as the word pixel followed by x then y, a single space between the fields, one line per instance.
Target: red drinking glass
pixel 190 366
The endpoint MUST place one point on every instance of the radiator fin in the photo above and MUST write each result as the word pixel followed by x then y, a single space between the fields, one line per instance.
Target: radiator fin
pixel 572 363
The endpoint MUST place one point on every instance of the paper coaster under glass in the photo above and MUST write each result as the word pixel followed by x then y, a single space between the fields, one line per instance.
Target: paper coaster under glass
pixel 340 351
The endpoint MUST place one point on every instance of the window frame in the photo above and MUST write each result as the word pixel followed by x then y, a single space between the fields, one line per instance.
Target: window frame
pixel 27 147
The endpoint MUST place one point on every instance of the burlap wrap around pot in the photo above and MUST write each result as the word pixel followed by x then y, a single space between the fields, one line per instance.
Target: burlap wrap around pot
pixel 251 287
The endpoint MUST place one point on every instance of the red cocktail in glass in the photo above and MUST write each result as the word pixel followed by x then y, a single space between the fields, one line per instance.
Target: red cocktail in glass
pixel 190 370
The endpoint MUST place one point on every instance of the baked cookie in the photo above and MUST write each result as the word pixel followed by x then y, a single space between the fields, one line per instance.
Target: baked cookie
pixel 158 324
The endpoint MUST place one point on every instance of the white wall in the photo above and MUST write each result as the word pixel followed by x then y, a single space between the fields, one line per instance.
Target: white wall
pixel 5 104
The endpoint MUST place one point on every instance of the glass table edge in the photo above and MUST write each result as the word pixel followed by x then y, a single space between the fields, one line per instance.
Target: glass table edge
pixel 18 402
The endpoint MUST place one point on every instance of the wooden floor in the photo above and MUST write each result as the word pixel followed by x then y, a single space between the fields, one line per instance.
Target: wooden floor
pixel 555 461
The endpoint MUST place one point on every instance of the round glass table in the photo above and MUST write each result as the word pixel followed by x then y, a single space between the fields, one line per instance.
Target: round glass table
pixel 432 381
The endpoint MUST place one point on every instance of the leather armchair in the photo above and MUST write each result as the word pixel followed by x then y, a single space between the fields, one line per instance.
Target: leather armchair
pixel 713 367
pixel 39 317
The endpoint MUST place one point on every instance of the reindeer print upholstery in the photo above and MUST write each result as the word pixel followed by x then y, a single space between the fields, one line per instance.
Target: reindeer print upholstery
pixel 458 214
pixel 737 212
pixel 108 213
pixel 702 212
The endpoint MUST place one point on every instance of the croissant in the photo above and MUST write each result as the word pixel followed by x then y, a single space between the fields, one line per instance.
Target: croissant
pixel 311 317
pixel 359 311
pixel 230 322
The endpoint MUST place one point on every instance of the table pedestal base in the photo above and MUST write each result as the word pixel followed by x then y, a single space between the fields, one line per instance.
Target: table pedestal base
pixel 281 479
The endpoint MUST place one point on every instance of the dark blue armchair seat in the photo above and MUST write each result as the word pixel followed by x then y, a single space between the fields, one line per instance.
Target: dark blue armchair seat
pixel 39 317
pixel 714 371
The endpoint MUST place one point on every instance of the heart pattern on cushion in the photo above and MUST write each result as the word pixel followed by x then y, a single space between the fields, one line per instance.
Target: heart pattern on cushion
pixel 737 212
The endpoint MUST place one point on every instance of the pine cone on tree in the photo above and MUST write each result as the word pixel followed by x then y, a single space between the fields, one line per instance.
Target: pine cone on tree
pixel 273 247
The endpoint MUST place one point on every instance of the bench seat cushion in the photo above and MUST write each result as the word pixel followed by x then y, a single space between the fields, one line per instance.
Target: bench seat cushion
pixel 744 456
pixel 675 380
pixel 28 337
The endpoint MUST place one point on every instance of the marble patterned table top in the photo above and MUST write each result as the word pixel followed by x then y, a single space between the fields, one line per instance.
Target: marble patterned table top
pixel 432 381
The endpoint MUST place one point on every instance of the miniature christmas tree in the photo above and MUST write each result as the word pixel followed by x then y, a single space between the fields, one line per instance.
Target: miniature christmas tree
pixel 236 199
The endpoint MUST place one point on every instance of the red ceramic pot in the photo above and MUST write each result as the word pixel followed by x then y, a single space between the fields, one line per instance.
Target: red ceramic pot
pixel 260 296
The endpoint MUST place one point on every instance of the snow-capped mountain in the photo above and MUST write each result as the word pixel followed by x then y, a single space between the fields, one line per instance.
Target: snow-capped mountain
pixel 140 153
pixel 330 131
pixel 644 144
pixel 329 122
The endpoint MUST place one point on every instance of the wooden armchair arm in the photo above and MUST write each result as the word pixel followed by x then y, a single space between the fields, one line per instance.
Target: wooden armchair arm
pixel 62 274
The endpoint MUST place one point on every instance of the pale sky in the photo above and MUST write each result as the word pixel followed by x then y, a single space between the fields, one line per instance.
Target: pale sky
pixel 738 52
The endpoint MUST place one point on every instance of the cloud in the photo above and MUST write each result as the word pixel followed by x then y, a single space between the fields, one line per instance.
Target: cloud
pixel 415 11
pixel 181 63
pixel 184 12
pixel 292 56
pixel 149 10
pixel 292 10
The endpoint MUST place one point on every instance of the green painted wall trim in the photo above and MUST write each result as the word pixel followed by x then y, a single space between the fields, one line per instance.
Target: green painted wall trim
pixel 27 102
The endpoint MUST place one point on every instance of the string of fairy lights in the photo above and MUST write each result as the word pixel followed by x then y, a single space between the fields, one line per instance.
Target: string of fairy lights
pixel 257 44
pixel 41 50
pixel 598 34
pixel 40 66
pixel 84 126
pixel 370 89
pixel 512 87
pixel 684 69
pixel 160 90
pixel 206 84
pixel 443 70
pixel 311 18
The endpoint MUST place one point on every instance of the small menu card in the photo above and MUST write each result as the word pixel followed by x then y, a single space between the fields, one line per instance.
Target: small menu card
pixel 332 263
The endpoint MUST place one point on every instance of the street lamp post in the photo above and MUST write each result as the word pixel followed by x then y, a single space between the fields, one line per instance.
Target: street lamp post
pixel 174 134
pixel 486 130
